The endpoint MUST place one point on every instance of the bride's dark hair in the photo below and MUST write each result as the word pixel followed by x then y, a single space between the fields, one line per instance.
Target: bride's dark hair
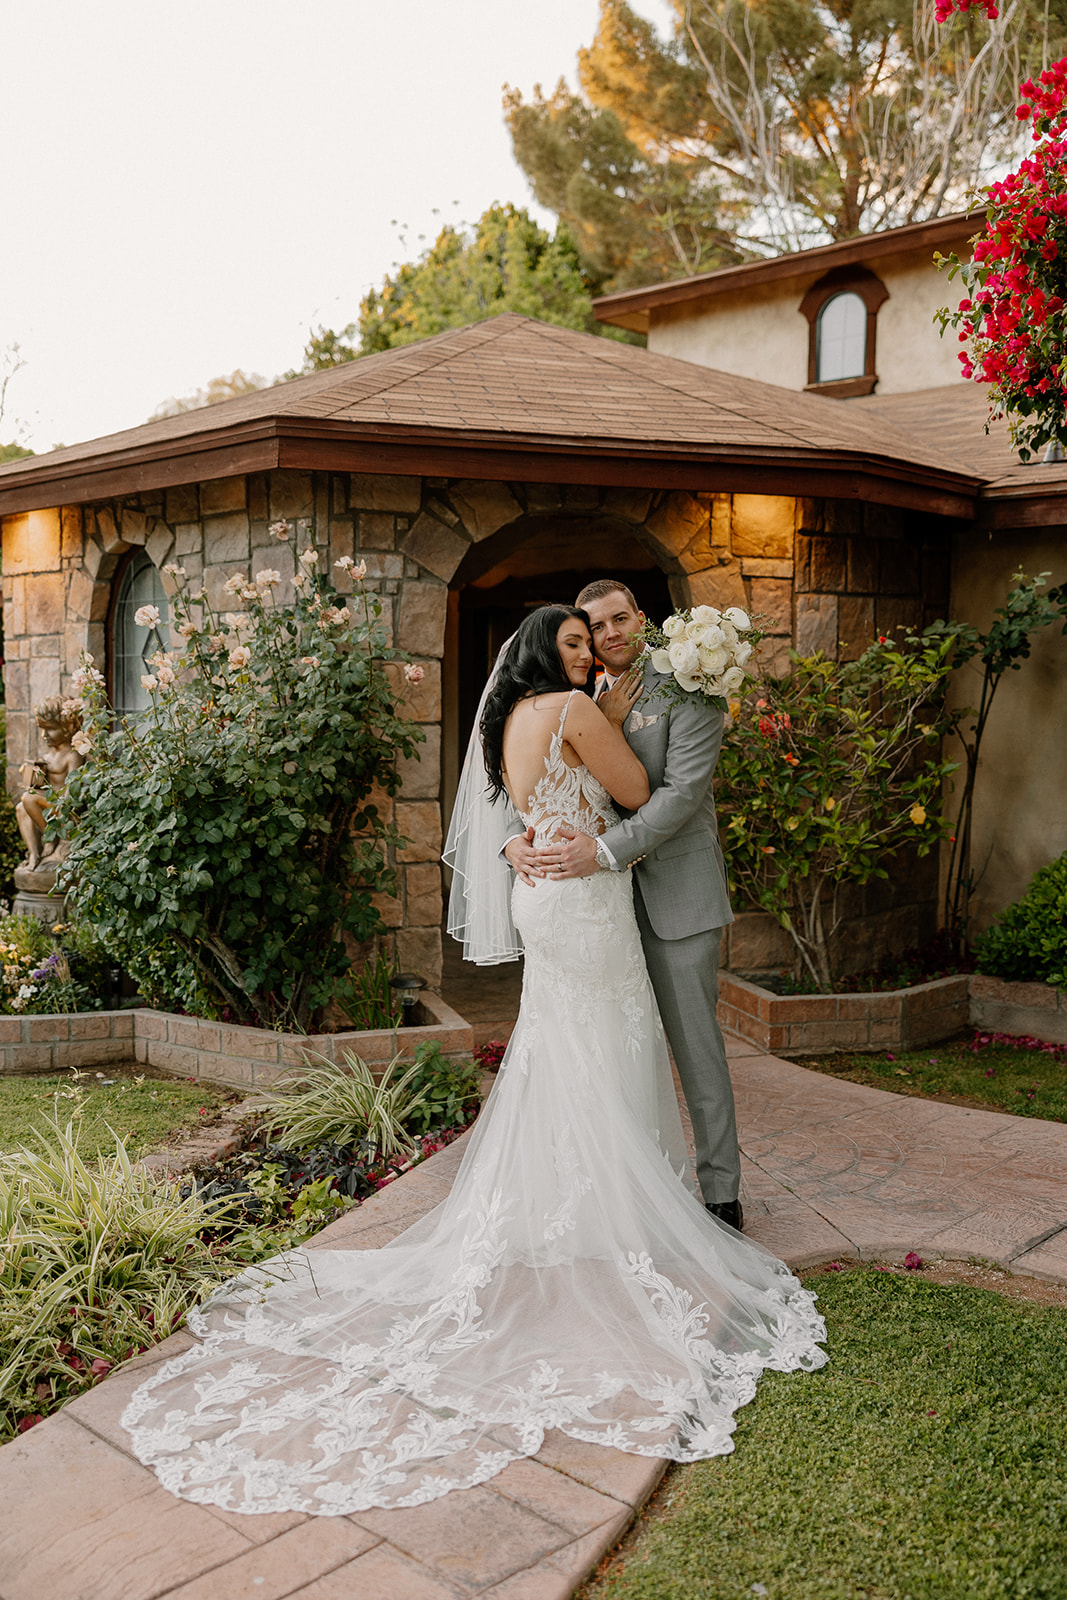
pixel 531 666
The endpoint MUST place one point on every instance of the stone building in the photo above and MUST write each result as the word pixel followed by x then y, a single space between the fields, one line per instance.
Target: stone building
pixel 479 473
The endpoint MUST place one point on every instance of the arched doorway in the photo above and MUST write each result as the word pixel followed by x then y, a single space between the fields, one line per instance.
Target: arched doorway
pixel 538 561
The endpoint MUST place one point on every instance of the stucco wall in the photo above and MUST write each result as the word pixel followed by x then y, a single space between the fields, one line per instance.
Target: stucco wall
pixel 760 332
pixel 1020 811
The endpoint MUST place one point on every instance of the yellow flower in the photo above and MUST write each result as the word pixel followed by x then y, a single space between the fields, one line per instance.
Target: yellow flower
pixel 829 802
pixel 918 815
pixel 793 823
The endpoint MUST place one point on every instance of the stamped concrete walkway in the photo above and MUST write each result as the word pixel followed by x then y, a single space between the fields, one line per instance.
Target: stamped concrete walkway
pixel 831 1169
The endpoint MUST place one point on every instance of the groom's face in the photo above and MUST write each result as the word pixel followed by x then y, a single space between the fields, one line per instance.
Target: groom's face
pixel 613 621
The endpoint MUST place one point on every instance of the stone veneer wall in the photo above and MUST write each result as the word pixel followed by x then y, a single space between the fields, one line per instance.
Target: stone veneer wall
pixel 831 573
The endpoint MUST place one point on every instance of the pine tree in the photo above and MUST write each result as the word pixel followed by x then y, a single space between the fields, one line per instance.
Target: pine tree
pixel 765 125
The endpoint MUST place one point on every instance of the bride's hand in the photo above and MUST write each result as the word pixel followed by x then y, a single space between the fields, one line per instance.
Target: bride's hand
pixel 621 698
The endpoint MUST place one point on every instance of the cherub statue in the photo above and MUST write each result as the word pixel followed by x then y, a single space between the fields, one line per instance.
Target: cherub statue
pixel 60 722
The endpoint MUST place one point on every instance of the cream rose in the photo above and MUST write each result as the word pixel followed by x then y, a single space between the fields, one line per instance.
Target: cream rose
pixel 674 627
pixel 732 679
pixel 706 614
pixel 712 661
pixel 685 657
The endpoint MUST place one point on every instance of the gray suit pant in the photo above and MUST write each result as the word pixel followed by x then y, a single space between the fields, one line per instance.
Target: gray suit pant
pixel 685 978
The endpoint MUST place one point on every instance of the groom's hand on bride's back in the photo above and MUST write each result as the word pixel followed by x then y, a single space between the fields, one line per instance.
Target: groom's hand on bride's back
pixel 524 858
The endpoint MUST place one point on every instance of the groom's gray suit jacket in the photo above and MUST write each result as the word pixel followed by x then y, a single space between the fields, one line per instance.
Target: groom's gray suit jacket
pixel 672 842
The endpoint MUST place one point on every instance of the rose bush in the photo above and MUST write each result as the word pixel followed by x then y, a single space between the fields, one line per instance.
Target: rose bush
pixel 228 842
pixel 828 773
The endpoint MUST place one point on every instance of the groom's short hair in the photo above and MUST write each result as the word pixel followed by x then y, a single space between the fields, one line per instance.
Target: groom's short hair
pixel 601 587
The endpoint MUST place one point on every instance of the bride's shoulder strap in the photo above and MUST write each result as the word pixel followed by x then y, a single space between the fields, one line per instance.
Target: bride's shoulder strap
pixel 566 708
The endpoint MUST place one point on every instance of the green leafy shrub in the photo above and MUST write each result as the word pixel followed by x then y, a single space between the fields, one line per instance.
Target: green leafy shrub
pixel 365 998
pixel 828 773
pixel 228 840
pixel 1029 943
pixel 99 1261
pixel 449 1090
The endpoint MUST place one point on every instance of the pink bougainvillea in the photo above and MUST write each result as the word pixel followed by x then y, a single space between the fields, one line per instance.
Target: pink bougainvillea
pixel 1013 321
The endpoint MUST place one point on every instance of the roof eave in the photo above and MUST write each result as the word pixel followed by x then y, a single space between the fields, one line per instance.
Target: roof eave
pixel 632 308
pixel 336 446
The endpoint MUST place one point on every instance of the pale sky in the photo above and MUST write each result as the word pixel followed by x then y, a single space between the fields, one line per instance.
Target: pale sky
pixel 188 188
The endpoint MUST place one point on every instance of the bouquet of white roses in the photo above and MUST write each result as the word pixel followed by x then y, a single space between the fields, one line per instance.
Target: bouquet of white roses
pixel 706 650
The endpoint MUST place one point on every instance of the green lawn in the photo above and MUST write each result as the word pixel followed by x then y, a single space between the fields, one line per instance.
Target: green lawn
pixel 925 1462
pixel 1028 1083
pixel 146 1111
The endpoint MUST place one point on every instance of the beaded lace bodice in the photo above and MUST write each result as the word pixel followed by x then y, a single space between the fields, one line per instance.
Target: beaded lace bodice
pixel 567 794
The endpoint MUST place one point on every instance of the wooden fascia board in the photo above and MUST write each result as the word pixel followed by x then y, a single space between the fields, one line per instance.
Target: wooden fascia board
pixel 141 470
pixel 620 310
pixel 1014 508
pixel 328 446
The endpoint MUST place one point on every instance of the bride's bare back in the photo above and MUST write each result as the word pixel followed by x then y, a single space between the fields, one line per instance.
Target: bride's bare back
pixel 589 744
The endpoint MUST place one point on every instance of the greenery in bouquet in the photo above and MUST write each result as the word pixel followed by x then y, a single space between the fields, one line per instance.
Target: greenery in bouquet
pixel 1013 319
pixel 705 650
pixel 227 841
pixel 829 771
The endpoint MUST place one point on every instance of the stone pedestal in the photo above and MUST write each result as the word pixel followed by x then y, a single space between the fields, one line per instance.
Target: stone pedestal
pixel 36 896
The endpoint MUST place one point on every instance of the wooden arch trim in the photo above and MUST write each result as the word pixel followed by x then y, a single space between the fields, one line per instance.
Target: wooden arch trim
pixel 873 292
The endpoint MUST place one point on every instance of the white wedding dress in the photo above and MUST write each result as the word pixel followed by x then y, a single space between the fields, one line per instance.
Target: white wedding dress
pixel 571 1280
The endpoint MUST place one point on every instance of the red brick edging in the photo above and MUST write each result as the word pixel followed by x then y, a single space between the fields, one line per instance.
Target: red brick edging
pixel 218 1052
pixel 901 1019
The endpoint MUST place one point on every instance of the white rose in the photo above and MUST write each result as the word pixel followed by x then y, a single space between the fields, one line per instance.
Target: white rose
pixel 712 661
pixel 308 557
pixel 685 681
pixel 684 656
pixel 715 686
pixel 739 618
pixel 742 651
pixel 268 577
pixel 235 583
pixel 714 636
pixel 149 681
pixel 82 743
pixel 706 614
pixel 240 657
pixel 146 617
pixel 674 627
pixel 661 660
pixel 732 679
pixel 696 631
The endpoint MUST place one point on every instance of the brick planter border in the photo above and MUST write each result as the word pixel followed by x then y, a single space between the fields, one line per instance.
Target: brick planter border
pixel 891 1019
pixel 218 1052
pixel 1028 1008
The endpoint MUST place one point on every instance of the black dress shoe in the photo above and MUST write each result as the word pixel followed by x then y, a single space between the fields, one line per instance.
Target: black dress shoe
pixel 728 1211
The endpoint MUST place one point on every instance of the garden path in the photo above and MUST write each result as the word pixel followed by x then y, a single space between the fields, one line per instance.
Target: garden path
pixel 831 1169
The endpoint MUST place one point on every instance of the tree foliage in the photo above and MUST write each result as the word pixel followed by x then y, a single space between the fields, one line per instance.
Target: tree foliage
pixel 226 387
pixel 772 124
pixel 507 263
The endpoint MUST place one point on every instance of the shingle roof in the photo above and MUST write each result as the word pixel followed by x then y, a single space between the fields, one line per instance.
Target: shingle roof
pixel 511 380
pixel 955 416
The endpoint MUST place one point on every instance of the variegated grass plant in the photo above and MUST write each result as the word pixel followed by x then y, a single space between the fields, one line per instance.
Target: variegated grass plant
pixel 342 1103
pixel 97 1260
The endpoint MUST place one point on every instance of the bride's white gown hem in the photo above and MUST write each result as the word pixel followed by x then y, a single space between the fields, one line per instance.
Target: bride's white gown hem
pixel 572 1279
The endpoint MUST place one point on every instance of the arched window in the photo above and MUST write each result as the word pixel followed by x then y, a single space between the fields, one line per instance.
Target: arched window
pixel 842 313
pixel 131 645
pixel 841 338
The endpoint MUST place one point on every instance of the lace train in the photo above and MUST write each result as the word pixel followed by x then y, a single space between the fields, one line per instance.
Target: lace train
pixel 571 1280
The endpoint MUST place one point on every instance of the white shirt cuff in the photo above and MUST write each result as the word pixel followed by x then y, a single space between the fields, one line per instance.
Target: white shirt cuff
pixel 611 859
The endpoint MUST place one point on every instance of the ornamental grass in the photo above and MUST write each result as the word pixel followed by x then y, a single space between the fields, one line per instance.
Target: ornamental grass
pixel 98 1261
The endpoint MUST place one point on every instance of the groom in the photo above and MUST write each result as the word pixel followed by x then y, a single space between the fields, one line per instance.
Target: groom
pixel 680 892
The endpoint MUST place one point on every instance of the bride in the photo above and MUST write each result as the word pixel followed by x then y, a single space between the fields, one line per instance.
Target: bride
pixel 572 1279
